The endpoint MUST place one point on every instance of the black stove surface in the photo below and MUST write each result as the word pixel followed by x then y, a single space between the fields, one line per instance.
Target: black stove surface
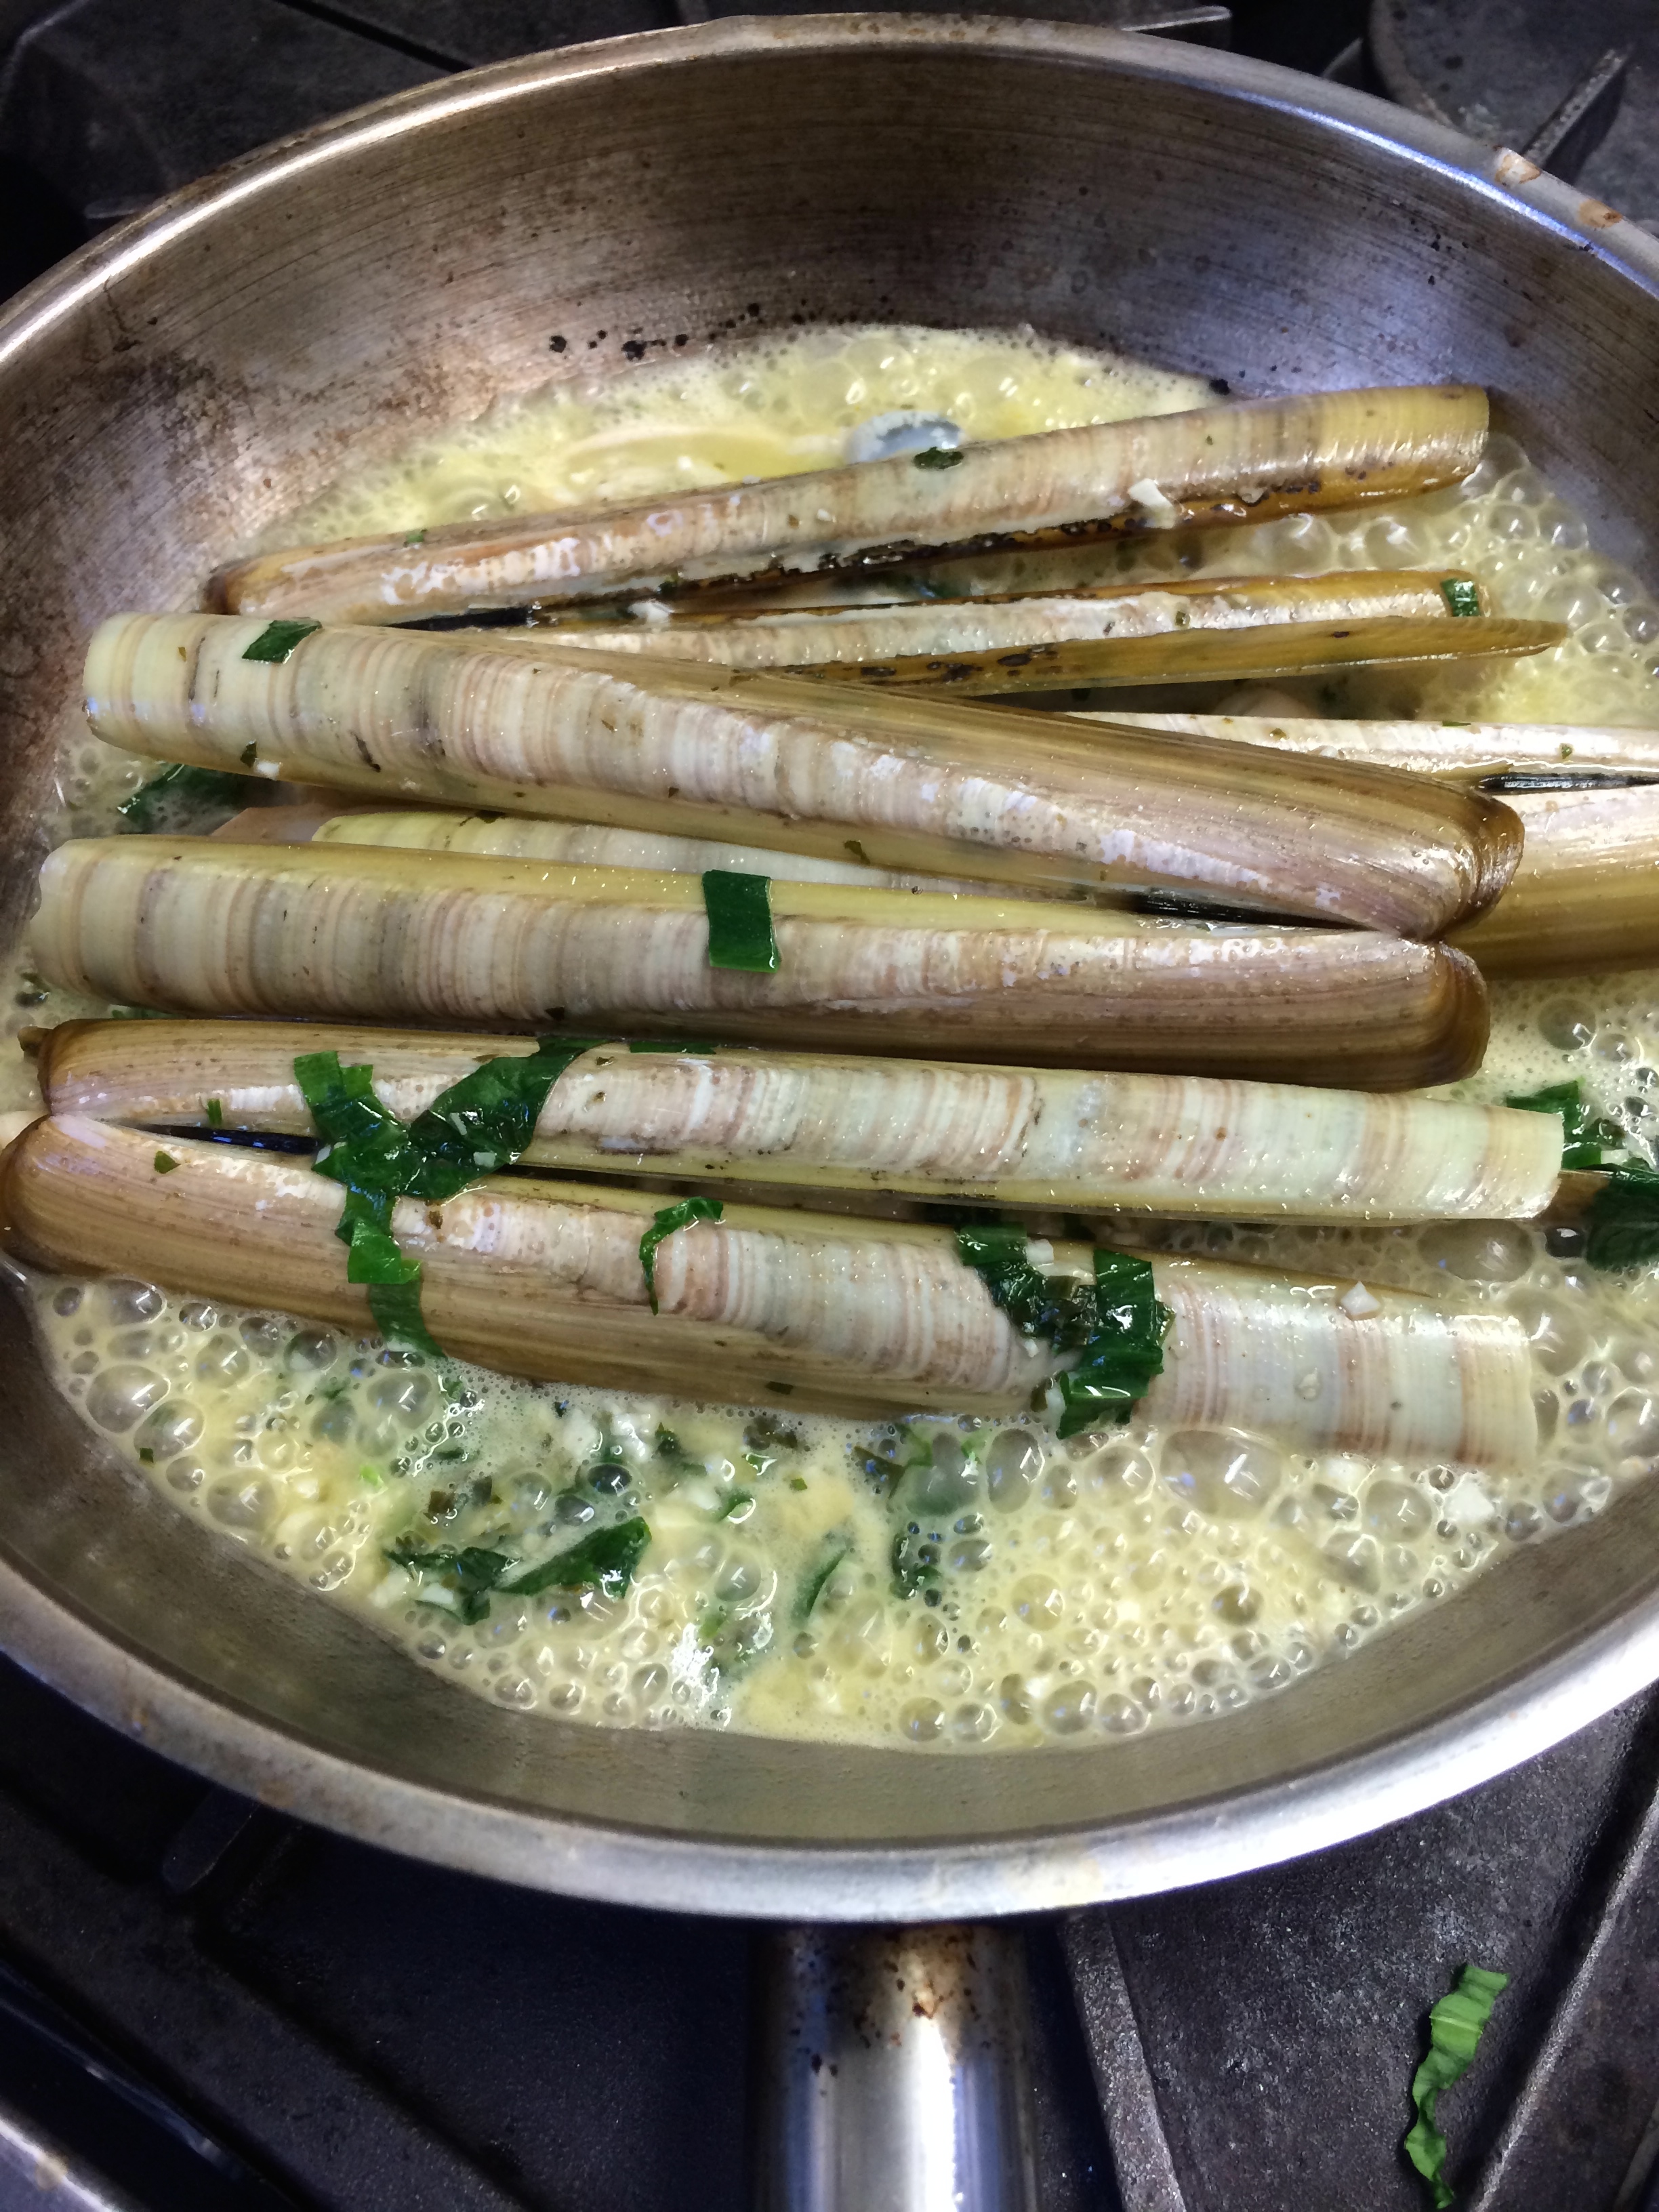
pixel 215 2008
pixel 205 2006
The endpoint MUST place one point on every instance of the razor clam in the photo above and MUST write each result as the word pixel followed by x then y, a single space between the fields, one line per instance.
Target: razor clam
pixel 1198 656
pixel 357 932
pixel 530 837
pixel 544 1279
pixel 1586 895
pixel 1458 752
pixel 1243 462
pixel 806 638
pixel 1167 1145
pixel 900 784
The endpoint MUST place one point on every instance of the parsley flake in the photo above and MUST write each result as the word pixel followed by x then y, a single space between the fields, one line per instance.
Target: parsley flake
pixel 740 910
pixel 664 1224
pixel 278 639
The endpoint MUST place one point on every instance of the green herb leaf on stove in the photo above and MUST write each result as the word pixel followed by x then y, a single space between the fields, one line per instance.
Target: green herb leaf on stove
pixel 1456 2024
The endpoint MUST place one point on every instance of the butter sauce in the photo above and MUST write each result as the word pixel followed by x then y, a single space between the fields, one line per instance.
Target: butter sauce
pixel 1095 1587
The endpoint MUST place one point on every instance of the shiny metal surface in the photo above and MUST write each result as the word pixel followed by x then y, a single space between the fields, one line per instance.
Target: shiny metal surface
pixel 894 2070
pixel 37 2175
pixel 189 376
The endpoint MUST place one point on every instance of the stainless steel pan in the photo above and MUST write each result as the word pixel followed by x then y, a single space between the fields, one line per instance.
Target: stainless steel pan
pixel 200 370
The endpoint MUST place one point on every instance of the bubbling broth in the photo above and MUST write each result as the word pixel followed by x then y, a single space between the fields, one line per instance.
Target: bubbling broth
pixel 947 1582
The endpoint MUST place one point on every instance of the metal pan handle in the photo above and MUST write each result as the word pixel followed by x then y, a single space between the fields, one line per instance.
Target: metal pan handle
pixel 893 2070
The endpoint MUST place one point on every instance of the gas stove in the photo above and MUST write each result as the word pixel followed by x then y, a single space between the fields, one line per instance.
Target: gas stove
pixel 207 2007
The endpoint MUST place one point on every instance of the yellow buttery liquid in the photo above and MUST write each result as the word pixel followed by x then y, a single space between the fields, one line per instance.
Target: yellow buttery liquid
pixel 1101 1585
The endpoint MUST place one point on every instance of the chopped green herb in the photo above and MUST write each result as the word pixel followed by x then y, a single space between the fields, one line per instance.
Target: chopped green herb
pixel 737 1506
pixel 278 639
pixel 1623 1218
pixel 372 1477
pixel 1585 1138
pixel 1115 1324
pixel 488 1119
pixel 216 1113
pixel 834 1550
pixel 147 1455
pixel 468 1577
pixel 415 537
pixel 136 1014
pixel 1455 2025
pixel 1120 1359
pixel 740 910
pixel 765 1431
pixel 180 793
pixel 1461 595
pixel 669 1445
pixel 798 1482
pixel 938 457
pixel 604 1560
pixel 883 1472
pixel 915 1561
pixel 664 1224
pixel 165 1163
pixel 249 754
pixel 465 1577
pixel 478 1124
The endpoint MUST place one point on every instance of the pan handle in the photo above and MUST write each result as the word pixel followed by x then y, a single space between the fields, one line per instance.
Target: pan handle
pixel 893 2070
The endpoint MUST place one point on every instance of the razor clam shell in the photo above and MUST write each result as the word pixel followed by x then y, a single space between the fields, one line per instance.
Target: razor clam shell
pixel 814 1311
pixel 809 638
pixel 357 932
pixel 901 783
pixel 1043 1137
pixel 1243 462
